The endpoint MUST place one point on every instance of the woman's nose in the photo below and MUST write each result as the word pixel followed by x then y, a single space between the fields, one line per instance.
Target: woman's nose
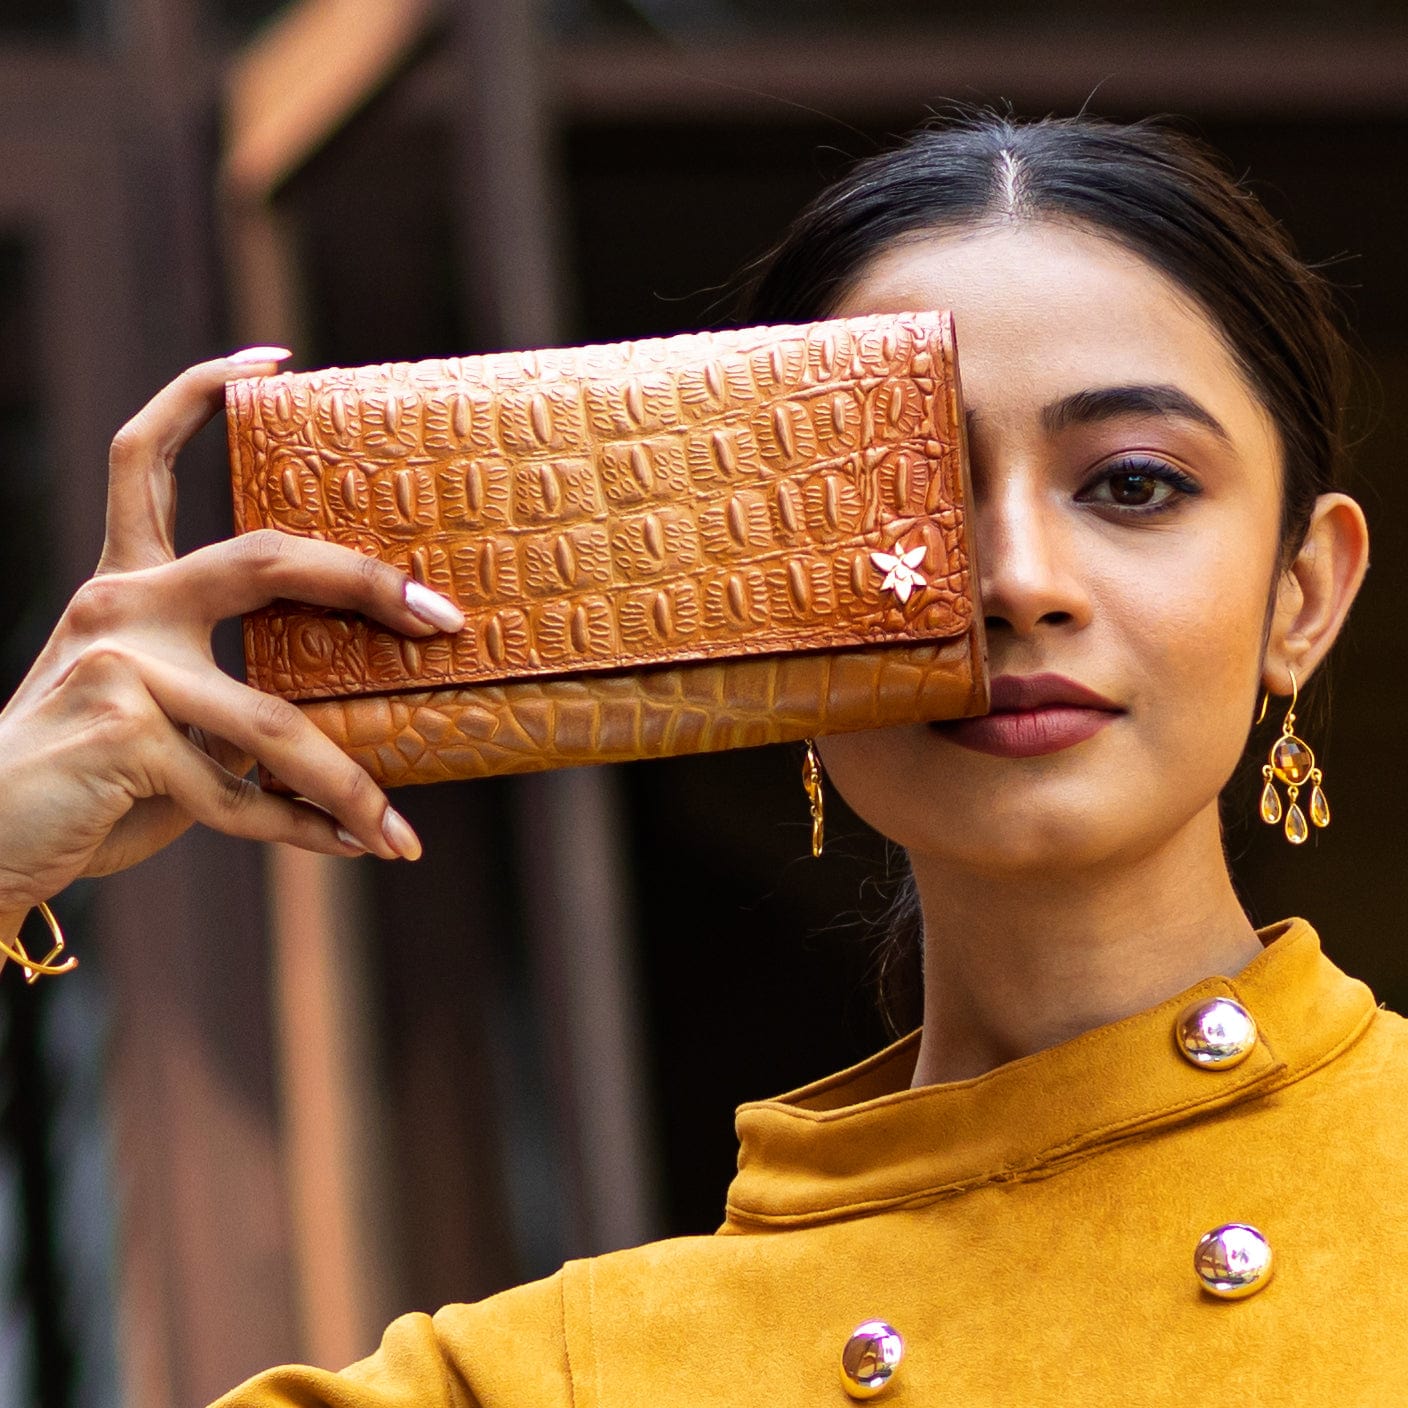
pixel 1027 571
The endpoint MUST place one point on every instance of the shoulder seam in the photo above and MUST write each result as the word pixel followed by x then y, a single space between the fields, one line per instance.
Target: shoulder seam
pixel 578 1286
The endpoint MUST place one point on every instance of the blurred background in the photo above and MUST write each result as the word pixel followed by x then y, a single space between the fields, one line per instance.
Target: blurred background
pixel 284 1099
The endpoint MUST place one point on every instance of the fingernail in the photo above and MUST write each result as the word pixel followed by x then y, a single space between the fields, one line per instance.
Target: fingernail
pixel 259 354
pixel 348 839
pixel 399 835
pixel 432 607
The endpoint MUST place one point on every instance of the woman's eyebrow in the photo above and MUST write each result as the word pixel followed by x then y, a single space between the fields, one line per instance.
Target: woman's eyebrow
pixel 1109 402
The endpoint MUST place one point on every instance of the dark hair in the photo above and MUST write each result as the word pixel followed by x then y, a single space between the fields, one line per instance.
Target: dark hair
pixel 1160 194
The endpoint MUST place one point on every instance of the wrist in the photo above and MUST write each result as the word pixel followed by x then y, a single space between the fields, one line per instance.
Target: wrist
pixel 11 922
pixel 16 901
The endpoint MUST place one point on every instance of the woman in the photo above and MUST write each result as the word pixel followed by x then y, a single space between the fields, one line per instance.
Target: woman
pixel 1112 1062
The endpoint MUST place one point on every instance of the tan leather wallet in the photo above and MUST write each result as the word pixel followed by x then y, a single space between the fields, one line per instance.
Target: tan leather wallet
pixel 667 546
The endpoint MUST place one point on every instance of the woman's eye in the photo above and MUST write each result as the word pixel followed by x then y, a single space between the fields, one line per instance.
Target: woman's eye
pixel 1148 485
pixel 1134 490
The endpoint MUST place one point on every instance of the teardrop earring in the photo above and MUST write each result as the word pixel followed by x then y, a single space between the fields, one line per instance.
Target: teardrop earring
pixel 1292 763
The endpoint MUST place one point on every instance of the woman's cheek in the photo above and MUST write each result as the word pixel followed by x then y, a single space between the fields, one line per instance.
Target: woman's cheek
pixel 1204 671
pixel 895 781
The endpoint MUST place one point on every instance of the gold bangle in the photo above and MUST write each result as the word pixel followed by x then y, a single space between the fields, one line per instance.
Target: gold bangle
pixel 34 968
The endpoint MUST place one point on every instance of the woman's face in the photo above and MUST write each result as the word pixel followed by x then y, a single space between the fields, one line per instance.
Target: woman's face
pixel 1126 501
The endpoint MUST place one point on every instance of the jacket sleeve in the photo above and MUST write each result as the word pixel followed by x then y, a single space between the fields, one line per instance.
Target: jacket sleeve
pixel 505 1352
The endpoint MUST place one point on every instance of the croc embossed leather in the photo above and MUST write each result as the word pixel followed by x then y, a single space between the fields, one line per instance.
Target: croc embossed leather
pixel 666 546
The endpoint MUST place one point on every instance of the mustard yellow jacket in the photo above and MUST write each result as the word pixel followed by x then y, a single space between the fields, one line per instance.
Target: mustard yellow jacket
pixel 1030 1234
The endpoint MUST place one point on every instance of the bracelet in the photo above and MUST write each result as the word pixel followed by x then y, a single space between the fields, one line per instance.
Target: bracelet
pixel 48 966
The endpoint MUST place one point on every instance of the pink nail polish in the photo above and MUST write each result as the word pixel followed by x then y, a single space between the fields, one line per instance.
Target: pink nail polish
pixel 399 835
pixel 348 839
pixel 433 608
pixel 254 355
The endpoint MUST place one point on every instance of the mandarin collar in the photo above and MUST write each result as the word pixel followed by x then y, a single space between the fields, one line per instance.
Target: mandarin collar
pixel 862 1140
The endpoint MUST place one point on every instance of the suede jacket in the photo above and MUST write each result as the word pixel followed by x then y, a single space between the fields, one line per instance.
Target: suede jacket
pixel 1030 1234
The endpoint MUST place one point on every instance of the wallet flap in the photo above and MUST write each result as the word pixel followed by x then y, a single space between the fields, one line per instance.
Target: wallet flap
pixel 705 497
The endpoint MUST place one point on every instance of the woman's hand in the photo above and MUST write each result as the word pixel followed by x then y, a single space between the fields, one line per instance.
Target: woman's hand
pixel 125 731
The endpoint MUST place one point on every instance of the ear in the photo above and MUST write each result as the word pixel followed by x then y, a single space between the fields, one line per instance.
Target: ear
pixel 1316 591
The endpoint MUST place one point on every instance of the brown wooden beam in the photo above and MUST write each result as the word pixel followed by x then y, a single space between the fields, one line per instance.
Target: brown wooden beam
pixel 304 76
pixel 1214 69
pixel 569 825
pixel 334 1127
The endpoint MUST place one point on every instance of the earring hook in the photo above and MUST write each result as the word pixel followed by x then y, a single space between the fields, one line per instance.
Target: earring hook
pixel 1266 700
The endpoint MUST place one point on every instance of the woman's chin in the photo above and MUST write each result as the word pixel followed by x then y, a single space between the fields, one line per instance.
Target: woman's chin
pixel 1040 845
pixel 1026 819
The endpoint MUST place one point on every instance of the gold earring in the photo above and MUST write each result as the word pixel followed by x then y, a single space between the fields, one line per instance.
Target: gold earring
pixel 811 781
pixel 1292 763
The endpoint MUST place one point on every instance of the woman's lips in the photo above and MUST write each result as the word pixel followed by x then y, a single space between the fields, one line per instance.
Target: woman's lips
pixel 1033 715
